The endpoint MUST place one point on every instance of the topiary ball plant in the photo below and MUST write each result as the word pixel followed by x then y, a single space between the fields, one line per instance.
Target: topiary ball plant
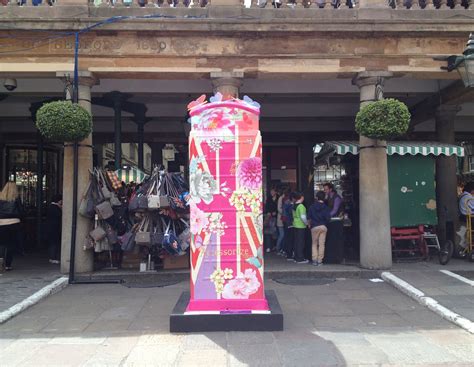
pixel 63 121
pixel 383 119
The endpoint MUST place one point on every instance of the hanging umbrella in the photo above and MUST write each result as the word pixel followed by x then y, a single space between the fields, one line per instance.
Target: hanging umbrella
pixel 131 174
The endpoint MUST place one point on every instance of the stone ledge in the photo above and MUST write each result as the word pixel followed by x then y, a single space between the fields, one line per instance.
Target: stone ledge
pixel 231 19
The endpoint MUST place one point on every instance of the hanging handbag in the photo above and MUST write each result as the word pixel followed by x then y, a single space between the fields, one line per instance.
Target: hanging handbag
pixel 88 200
pixel 174 199
pixel 157 235
pixel 142 237
pixel 111 235
pixel 102 245
pixel 184 238
pixel 153 198
pixel 98 233
pixel 142 202
pixel 114 200
pixel 170 241
pixel 102 184
pixel 133 202
pixel 104 210
pixel 127 241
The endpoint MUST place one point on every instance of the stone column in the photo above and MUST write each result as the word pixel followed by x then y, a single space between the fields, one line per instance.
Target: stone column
pixel 374 209
pixel 84 260
pixel 306 163
pixel 446 179
pixel 227 83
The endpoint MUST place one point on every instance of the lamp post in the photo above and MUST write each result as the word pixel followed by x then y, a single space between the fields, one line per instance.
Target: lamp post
pixel 464 63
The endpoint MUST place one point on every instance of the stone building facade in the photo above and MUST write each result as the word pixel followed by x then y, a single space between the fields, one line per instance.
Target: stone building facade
pixel 310 64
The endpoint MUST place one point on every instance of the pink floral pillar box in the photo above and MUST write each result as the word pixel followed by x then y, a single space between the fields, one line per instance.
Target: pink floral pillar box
pixel 225 167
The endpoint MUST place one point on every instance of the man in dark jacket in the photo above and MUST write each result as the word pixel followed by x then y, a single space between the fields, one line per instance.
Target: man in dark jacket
pixel 319 216
pixel 53 228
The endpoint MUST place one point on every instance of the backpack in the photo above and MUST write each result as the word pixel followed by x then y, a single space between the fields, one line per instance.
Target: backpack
pixel 287 215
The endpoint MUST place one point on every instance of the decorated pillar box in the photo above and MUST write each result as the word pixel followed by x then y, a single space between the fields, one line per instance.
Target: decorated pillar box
pixel 225 174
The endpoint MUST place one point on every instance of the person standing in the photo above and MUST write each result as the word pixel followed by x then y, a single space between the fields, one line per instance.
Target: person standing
pixel 270 220
pixel 333 200
pixel 280 225
pixel 319 217
pixel 299 227
pixel 288 221
pixel 11 212
pixel 335 235
pixel 53 228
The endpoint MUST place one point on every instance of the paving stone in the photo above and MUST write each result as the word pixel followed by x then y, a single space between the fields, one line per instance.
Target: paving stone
pixel 216 340
pixel 112 351
pixel 411 349
pixel 344 322
pixel 328 308
pixel 157 339
pixel 77 340
pixel 16 353
pixel 254 355
pixel 26 324
pixel 67 325
pixel 458 290
pixel 355 355
pixel 108 325
pixel 354 294
pixel 121 312
pixel 338 338
pixel 424 318
pixel 202 358
pixel 253 338
pixel 397 302
pixel 449 337
pixel 368 307
pixel 156 324
pixel 385 320
pixel 152 355
pixel 310 353
pixel 60 355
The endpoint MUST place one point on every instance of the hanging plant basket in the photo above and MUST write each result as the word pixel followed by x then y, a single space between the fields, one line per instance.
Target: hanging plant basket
pixel 383 119
pixel 63 121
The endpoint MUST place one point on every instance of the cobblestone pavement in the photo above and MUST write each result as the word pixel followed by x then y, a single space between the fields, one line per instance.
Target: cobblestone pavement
pixel 349 322
pixel 27 277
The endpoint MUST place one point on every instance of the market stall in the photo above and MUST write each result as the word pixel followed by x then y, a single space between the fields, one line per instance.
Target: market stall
pixel 140 222
pixel 411 176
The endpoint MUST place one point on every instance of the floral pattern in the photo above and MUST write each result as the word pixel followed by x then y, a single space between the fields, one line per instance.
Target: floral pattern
pixel 242 199
pixel 249 173
pixel 198 219
pixel 202 186
pixel 242 286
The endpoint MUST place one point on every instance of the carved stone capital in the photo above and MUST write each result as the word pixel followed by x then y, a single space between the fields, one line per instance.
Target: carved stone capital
pixel 227 83
pixel 371 78
pixel 86 78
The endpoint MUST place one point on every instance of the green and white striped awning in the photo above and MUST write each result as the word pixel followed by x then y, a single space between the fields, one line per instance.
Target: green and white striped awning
pixel 398 147
pixel 132 174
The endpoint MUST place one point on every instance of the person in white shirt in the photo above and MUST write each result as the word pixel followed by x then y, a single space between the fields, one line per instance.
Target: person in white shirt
pixel 466 200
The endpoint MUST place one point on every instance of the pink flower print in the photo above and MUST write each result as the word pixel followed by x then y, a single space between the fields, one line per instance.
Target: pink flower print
pixel 199 219
pixel 249 173
pixel 249 278
pixel 235 289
